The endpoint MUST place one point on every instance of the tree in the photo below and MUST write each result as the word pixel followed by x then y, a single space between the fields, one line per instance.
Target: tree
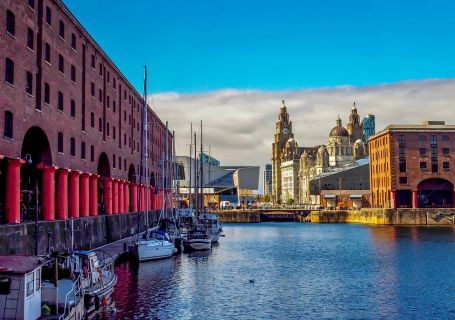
pixel 290 201
pixel 267 198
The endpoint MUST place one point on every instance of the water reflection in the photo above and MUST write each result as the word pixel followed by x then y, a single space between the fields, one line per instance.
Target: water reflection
pixel 299 271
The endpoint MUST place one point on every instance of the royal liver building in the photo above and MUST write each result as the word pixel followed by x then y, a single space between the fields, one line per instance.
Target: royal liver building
pixel 293 167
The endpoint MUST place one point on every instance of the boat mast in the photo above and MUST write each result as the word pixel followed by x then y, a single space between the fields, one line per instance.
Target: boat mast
pixel 141 158
pixel 202 175
pixel 196 189
pixel 190 179
pixel 165 173
pixel 175 181
pixel 146 149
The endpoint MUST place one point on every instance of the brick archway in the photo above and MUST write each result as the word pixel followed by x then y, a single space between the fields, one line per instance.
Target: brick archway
pixel 435 193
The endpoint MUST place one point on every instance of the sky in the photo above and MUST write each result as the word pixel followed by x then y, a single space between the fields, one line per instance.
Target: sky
pixel 231 62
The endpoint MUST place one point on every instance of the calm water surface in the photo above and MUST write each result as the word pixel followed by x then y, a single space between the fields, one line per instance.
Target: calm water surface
pixel 300 271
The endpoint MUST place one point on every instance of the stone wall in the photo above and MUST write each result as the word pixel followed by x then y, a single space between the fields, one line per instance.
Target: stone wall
pixel 87 233
pixel 387 216
pixel 239 216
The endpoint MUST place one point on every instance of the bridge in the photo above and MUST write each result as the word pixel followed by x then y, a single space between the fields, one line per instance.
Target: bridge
pixel 262 215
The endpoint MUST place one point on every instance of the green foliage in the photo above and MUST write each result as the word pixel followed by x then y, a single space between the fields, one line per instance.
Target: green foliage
pixel 290 201
pixel 267 198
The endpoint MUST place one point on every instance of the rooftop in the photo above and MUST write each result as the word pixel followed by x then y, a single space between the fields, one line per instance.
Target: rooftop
pixel 19 264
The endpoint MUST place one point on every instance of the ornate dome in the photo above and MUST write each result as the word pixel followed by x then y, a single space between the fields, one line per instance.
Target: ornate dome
pixel 339 130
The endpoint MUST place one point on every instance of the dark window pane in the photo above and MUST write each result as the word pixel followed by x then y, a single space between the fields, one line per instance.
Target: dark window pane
pixel 73 41
pixel 8 131
pixel 61 64
pixel 30 38
pixel 29 83
pixel 61 29
pixel 48 16
pixel 47 52
pixel 92 153
pixel 422 151
pixel 60 101
pixel 73 108
pixel 10 23
pixel 73 73
pixel 47 93
pixel 73 147
pixel 83 150
pixel 9 71
pixel 60 142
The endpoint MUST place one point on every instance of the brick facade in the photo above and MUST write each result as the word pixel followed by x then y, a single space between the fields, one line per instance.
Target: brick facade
pixel 411 166
pixel 77 93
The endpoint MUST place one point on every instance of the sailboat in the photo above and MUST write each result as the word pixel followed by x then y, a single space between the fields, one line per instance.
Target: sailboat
pixel 156 243
pixel 198 236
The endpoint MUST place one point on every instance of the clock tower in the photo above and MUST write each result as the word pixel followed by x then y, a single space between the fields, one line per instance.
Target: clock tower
pixel 283 132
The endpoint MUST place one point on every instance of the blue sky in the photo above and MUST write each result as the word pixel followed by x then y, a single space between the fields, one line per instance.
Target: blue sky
pixel 203 45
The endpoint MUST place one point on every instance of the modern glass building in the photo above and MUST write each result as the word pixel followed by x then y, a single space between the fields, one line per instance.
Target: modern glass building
pixel 368 126
pixel 268 179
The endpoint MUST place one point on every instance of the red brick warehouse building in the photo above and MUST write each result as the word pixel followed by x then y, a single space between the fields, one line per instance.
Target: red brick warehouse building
pixel 70 121
pixel 411 166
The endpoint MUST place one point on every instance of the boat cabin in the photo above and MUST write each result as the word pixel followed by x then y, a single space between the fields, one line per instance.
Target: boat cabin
pixel 20 287
pixel 30 288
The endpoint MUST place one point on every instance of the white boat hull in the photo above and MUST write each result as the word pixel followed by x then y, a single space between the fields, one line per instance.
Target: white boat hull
pixel 154 249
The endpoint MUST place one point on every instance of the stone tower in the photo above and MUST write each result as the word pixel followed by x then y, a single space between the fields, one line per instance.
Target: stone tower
pixel 354 126
pixel 283 132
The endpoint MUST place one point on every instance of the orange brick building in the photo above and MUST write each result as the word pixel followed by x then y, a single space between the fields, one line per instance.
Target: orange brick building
pixel 411 166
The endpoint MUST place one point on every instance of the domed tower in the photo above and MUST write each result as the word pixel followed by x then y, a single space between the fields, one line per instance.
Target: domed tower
pixel 283 132
pixel 354 126
pixel 338 146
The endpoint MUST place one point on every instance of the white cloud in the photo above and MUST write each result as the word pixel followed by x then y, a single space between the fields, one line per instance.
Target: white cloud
pixel 239 124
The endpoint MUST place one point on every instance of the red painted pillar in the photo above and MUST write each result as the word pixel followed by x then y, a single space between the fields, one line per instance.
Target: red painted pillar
pixel 73 194
pixel 84 194
pixel 121 208
pixel 393 203
pixel 13 191
pixel 414 199
pixel 61 198
pixel 150 193
pixel 93 197
pixel 108 195
pixel 133 197
pixel 126 197
pixel 47 192
pixel 114 196
pixel 142 197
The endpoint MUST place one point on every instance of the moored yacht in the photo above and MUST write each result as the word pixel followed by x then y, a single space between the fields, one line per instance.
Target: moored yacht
pixel 213 224
pixel 156 245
